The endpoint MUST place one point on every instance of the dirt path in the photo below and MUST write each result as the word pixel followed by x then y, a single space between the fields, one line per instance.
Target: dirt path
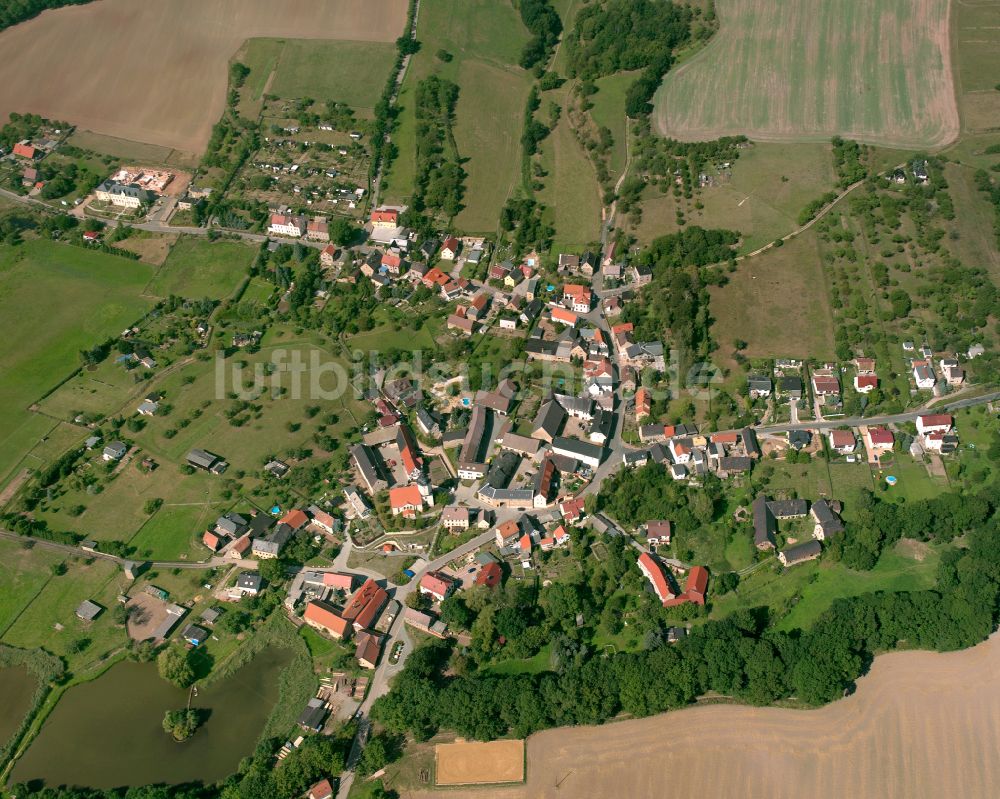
pixel 920 726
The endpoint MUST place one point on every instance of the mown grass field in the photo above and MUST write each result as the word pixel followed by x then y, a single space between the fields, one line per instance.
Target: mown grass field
pixel 484 39
pixel 777 303
pixel 55 300
pixel 348 72
pixel 769 185
pixel 874 70
pixel 975 39
pixel 571 191
pixel 198 268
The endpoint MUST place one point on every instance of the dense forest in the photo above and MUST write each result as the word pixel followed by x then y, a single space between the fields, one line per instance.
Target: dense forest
pixel 541 19
pixel 742 656
pixel 626 35
pixel 14 11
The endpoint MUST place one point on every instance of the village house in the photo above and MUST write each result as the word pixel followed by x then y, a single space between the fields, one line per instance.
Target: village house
pixel 449 249
pixel 759 386
pixel 842 441
pixel 658 532
pixel 864 384
pixel 934 423
pixel 790 386
pixel 368 649
pixel 657 576
pixel 323 616
pixel 408 500
pixel 384 219
pixel 287 225
pixel 507 534
pixel 923 375
pixel 563 317
pixel 455 517
pixel 828 523
pixel 436 585
pixel 577 298
pixel 880 440
pixel 318 229
pixel 114 451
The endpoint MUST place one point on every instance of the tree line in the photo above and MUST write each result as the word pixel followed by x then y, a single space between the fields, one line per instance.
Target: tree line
pixel 438 185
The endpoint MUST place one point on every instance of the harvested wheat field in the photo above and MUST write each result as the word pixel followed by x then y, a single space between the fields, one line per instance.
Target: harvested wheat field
pixel 874 70
pixel 156 72
pixel 920 726
pixel 477 763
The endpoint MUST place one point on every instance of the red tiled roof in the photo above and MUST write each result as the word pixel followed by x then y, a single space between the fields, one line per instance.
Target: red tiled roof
pixel 390 215
pixel 489 575
pixel 842 438
pixel 880 436
pixel 366 603
pixel 339 580
pixel 324 616
pixel 403 496
pixel 697 582
pixel 211 540
pixel 564 316
pixel 294 519
pixel 935 420
pixel 656 575
pixel 436 583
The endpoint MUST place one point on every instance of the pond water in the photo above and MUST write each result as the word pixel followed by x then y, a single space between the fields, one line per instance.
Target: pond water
pixel 109 732
pixel 17 687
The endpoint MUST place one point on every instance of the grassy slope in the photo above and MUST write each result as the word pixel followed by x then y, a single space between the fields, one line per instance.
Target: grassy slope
pixel 609 112
pixel 777 303
pixel 770 185
pixel 96 295
pixel 485 41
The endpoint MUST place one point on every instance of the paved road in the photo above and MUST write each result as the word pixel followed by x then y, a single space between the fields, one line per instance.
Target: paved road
pixel 855 421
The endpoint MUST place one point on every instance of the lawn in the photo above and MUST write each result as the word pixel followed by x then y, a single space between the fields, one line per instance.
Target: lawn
pixel 387 337
pixel 534 665
pixel 484 39
pixel 23 574
pixel 199 268
pixel 101 390
pixel 571 190
pixel 174 532
pixel 769 185
pixel 97 295
pixel 807 71
pixel 777 303
pixel 354 73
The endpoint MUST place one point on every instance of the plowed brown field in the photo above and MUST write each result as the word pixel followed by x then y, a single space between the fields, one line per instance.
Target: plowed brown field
pixel 920 726
pixel 156 72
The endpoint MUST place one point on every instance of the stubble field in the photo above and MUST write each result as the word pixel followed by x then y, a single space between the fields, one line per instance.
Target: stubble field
pixel 921 725
pixel 873 70
pixel 157 72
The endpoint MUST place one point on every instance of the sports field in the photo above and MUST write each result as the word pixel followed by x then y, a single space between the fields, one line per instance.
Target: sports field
pixel 873 70
pixel 475 763
pixel 921 725
pixel 484 39
pixel 166 80
pixel 96 295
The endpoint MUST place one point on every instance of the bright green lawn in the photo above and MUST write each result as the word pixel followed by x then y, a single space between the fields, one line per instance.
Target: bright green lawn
pixel 174 532
pixel 199 268
pixel 23 574
pixel 55 300
pixel 533 665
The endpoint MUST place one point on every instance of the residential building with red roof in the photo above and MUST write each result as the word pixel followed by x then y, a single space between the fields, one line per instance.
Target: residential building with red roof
pixel 327 255
pixel 393 263
pixel 880 438
pixel 212 540
pixel 323 616
pixel 26 149
pixel 825 385
pixel 318 229
pixel 572 510
pixel 524 544
pixel 321 790
pixel 657 576
pixel 564 317
pixel 643 403
pixel 865 383
pixel 241 546
pixel 508 533
pixel 368 649
pixel 490 575
pixel 406 500
pixel 365 605
pixel 934 423
pixel 296 519
pixel 338 580
pixel 385 218
pixel 842 441
pixel 287 225
pixel 437 585
pixel 576 297
pixel 449 249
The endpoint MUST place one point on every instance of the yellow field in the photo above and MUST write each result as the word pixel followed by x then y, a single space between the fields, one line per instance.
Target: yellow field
pixel 475 763
pixel 920 726
pixel 157 72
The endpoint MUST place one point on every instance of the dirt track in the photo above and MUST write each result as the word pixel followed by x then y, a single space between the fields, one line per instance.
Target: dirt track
pixel 156 72
pixel 920 726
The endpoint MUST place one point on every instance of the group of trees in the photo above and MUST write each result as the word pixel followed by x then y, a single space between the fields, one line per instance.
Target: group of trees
pixel 626 35
pixel 677 301
pixel 543 21
pixel 17 11
pixel 438 185
pixel 742 656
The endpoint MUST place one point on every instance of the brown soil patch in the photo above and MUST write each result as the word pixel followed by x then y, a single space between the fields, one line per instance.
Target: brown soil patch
pixel 151 250
pixel 8 493
pixel 917 550
pixel 468 763
pixel 157 72
pixel 920 726
pixel 147 612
